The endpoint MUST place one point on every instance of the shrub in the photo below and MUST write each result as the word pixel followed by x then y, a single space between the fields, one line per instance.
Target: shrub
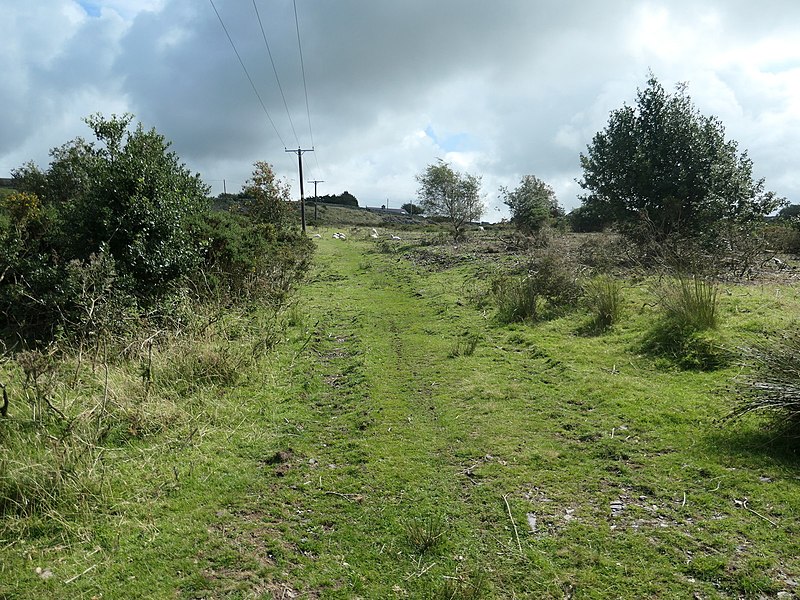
pixel 550 284
pixel 772 383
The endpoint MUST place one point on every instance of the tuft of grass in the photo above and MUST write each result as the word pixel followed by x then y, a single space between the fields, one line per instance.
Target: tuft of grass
pixel 516 298
pixel 603 298
pixel 550 285
pixel 425 534
pixel 471 586
pixel 690 303
pixel 685 330
pixel 772 384
pixel 465 345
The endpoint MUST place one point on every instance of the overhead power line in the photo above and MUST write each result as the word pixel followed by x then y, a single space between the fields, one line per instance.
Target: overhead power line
pixel 250 79
pixel 275 71
pixel 305 86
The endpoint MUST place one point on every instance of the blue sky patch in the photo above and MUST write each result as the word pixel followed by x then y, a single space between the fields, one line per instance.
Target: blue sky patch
pixel 455 142
pixel 90 8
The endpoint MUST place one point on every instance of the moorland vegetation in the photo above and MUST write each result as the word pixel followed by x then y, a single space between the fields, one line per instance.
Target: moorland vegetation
pixel 193 407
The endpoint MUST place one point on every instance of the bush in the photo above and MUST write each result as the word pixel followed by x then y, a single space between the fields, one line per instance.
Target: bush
pixel 772 383
pixel 549 285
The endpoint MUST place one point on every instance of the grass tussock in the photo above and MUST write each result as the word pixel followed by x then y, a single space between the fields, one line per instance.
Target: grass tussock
pixel 426 534
pixel 685 330
pixel 690 303
pixel 772 384
pixel 465 345
pixel 603 299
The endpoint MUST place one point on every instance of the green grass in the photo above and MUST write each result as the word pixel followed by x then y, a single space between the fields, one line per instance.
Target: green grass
pixel 366 458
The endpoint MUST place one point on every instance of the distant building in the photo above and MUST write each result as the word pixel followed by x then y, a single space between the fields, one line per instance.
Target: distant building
pixel 387 211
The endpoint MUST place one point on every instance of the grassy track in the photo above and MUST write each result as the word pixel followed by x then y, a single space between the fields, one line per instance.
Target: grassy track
pixel 373 457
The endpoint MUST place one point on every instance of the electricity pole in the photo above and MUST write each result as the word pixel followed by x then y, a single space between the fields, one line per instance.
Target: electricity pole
pixel 315 182
pixel 300 153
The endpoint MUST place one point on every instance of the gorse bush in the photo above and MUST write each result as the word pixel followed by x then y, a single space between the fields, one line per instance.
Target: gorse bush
pixel 113 228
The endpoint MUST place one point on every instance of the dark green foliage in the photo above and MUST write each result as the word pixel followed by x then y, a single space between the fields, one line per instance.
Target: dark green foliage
pixel 131 196
pixel 411 208
pixel 589 217
pixel 244 259
pixel 662 171
pixel 115 228
pixel 533 204
pixel 771 386
pixel 125 199
pixel 789 212
pixel 343 199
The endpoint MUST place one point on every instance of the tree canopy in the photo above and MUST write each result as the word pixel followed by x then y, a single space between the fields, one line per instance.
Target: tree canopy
pixel 265 197
pixel 447 193
pixel 661 170
pixel 533 203
pixel 127 195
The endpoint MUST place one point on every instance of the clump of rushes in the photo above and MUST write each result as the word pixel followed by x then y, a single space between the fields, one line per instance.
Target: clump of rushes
pixel 772 384
pixel 684 330
pixel 425 534
pixel 603 298
pixel 691 303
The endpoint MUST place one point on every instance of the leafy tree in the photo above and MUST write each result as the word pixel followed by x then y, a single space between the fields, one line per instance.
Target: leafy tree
pixel 411 208
pixel 122 202
pixel 450 194
pixel 664 172
pixel 790 212
pixel 130 196
pixel 533 204
pixel 266 198
pixel 586 218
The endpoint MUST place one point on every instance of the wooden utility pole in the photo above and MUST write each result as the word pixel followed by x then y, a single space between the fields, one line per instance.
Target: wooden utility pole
pixel 316 198
pixel 300 153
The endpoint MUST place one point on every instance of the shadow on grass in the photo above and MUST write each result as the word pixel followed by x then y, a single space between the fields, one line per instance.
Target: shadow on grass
pixel 756 439
pixel 685 347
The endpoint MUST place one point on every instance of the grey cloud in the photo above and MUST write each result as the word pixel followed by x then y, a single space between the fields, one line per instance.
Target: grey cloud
pixel 527 82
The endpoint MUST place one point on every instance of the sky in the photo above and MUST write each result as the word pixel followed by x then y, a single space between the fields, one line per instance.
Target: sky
pixel 499 89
